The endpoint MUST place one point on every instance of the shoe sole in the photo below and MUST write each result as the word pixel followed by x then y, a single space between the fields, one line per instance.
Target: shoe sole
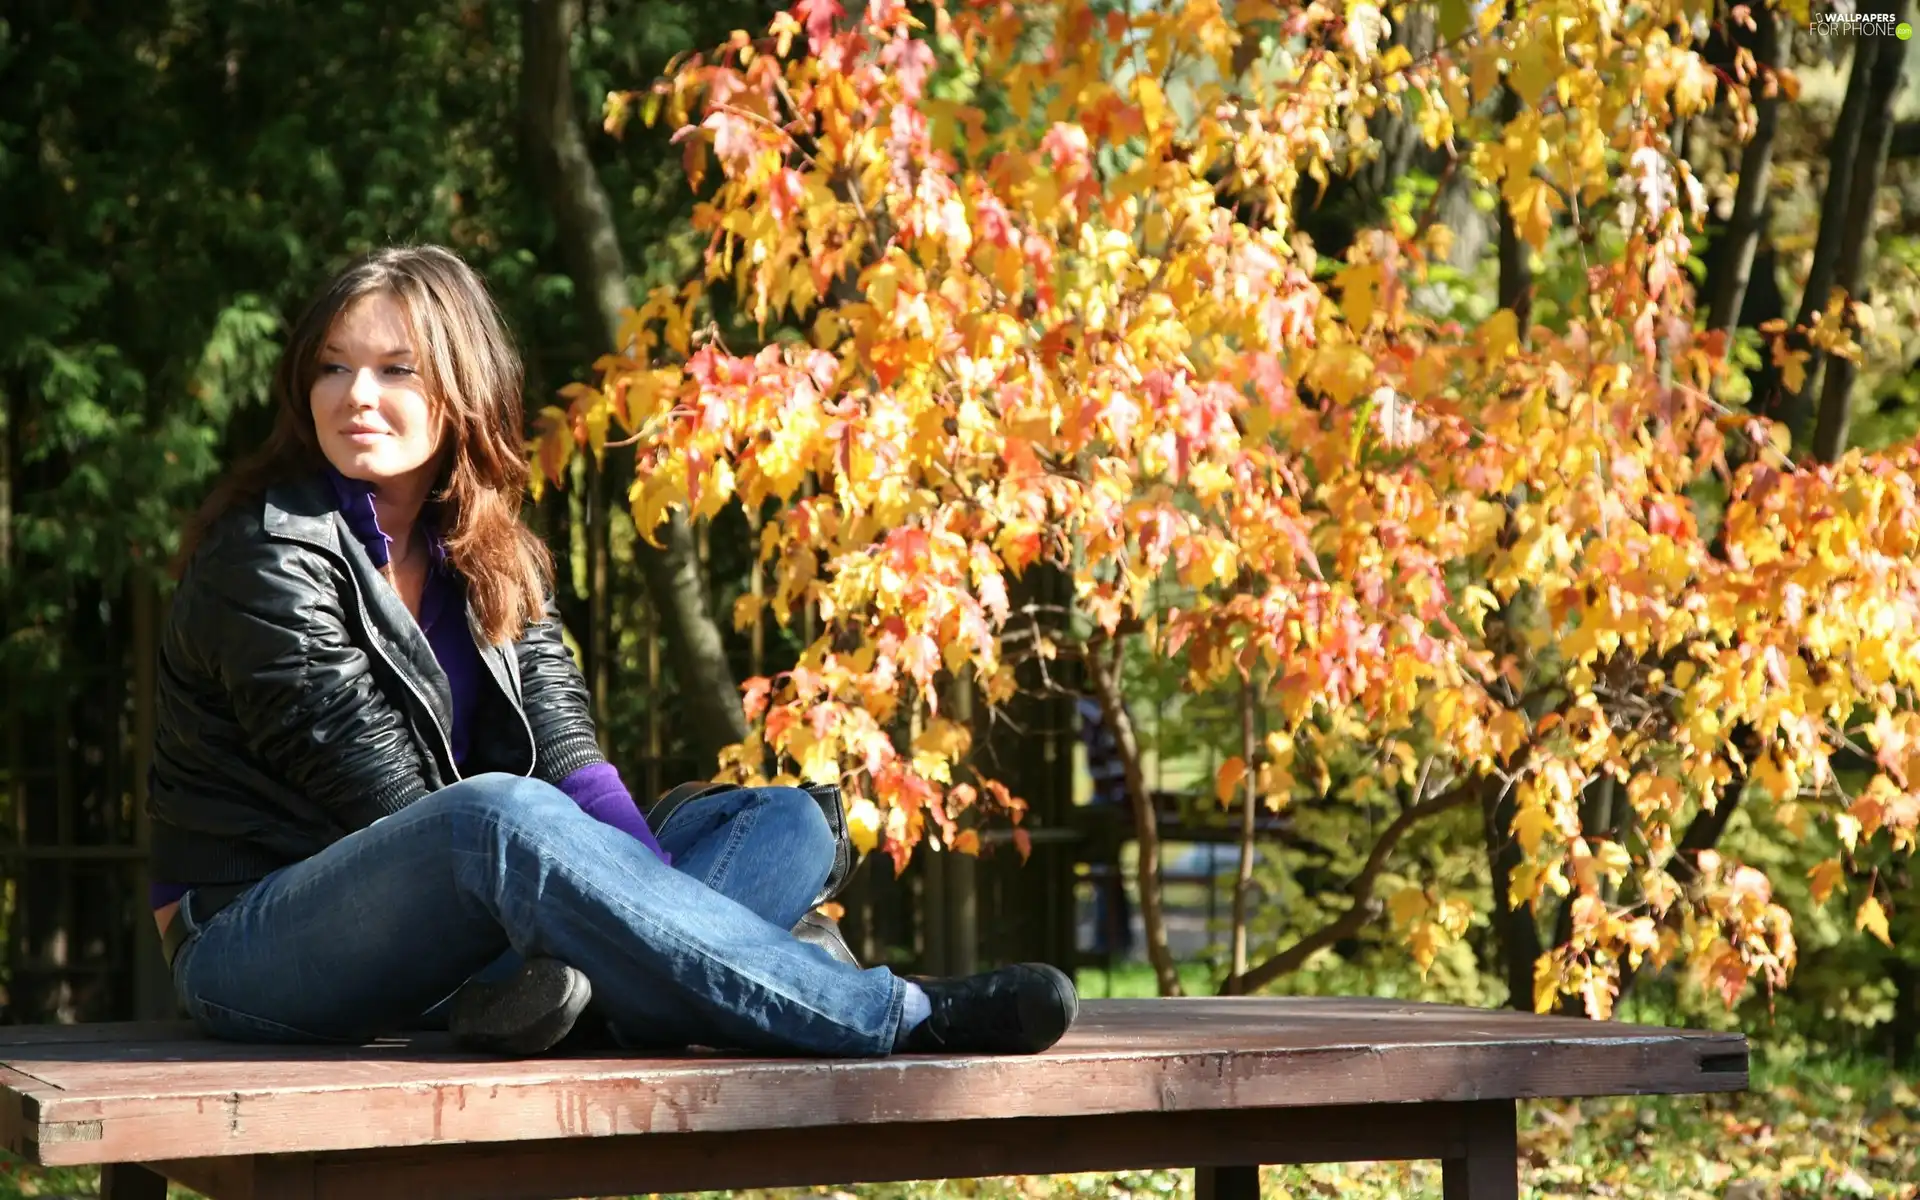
pixel 522 1016
pixel 1044 1020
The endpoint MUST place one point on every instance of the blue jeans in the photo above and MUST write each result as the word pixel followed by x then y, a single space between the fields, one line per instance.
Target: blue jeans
pixel 380 928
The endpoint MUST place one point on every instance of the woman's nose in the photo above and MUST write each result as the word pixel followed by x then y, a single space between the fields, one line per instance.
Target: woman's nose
pixel 365 392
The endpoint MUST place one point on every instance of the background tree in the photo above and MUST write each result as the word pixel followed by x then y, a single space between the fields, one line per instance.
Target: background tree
pixel 1480 565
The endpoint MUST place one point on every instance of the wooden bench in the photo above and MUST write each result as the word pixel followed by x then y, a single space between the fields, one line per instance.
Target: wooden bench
pixel 1215 1084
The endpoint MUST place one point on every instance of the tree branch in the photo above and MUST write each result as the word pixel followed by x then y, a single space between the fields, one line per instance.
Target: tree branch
pixel 1364 907
pixel 1105 677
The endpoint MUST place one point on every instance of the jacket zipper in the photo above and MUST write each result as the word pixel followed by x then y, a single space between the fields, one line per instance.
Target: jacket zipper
pixel 373 636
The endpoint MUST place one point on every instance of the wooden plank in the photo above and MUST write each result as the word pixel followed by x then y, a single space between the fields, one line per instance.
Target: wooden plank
pixel 823 1093
pixel 1490 1167
pixel 136 1102
pixel 20 1096
pixel 787 1157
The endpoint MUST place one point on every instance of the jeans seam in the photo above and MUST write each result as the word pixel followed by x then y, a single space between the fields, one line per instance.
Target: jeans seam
pixel 896 990
pixel 738 829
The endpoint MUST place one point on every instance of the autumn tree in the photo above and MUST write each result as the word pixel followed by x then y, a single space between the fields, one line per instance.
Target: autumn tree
pixel 1466 547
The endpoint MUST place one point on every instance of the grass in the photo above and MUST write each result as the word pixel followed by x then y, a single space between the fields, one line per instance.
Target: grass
pixel 1806 1130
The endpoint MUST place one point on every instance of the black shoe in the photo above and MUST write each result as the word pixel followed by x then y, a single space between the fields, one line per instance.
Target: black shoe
pixel 1021 1009
pixel 524 1015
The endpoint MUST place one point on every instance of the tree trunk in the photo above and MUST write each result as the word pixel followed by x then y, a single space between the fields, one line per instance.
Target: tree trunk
pixel 1863 191
pixel 1105 677
pixel 1746 222
pixel 1842 150
pixel 1516 275
pixel 1516 932
pixel 583 216
pixel 1249 802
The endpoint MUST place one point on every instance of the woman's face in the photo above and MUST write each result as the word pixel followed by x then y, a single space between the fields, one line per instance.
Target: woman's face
pixel 371 409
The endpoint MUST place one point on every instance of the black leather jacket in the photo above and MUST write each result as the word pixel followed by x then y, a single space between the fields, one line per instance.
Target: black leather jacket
pixel 299 701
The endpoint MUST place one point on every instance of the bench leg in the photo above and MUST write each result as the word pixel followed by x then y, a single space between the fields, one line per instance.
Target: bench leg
pixel 1490 1168
pixel 131 1181
pixel 1226 1183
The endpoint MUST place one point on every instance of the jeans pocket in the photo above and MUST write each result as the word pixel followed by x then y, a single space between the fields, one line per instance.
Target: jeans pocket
pixel 232 1025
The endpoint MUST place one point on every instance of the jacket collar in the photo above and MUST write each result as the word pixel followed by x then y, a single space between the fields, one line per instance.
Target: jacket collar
pixel 304 510
pixel 354 499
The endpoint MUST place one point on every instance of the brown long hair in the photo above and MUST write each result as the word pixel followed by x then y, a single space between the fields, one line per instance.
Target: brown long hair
pixel 474 375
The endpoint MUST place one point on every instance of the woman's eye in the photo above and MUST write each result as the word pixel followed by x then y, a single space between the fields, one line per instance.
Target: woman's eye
pixel 397 369
pixel 331 368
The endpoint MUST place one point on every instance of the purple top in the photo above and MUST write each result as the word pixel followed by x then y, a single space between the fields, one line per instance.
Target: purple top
pixel 596 787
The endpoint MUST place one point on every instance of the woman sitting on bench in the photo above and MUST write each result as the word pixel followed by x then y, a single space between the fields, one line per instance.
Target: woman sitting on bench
pixel 377 795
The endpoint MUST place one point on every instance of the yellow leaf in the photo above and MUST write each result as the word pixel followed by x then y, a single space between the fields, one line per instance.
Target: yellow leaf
pixel 1792 364
pixel 1359 293
pixel 1546 975
pixel 746 610
pixel 1532 71
pixel 944 738
pixel 817 756
pixel 1407 905
pixel 1778 782
pixel 1500 335
pixel 1531 824
pixel 1485 72
pixel 1533 202
pixel 863 825
pixel 1873 919
pixel 1152 102
pixel 1824 877
pixel 1613 859
pixel 1508 730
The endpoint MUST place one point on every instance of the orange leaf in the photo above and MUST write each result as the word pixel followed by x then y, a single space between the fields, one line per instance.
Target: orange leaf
pixel 1227 781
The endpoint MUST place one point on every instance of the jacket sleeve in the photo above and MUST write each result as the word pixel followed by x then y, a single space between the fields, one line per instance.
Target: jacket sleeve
pixel 554 694
pixel 269 625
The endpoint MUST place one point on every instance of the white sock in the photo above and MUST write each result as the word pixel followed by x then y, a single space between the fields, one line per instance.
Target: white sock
pixel 917 1009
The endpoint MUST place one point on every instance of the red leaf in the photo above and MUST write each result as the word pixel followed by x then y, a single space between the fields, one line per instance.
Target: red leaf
pixel 733 139
pixel 754 696
pixel 818 16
